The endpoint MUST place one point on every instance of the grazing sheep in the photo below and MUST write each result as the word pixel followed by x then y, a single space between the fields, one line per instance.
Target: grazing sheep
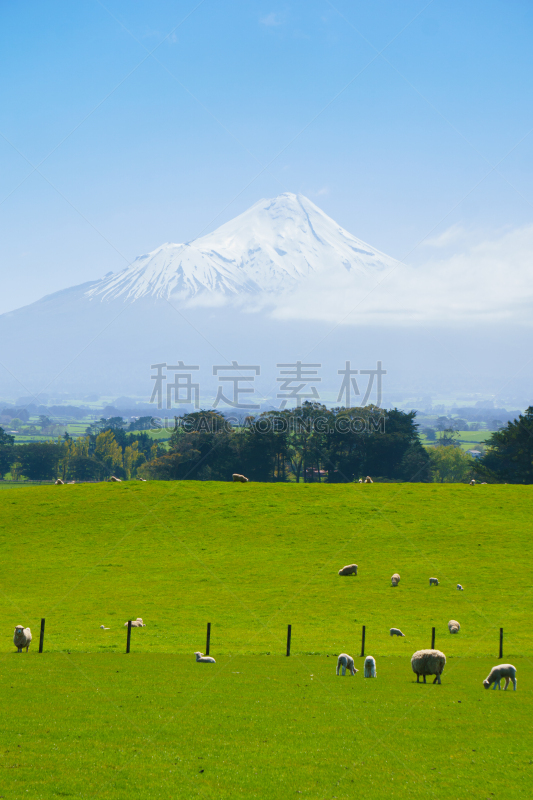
pixel 345 661
pixel 428 662
pixel 360 480
pixel 136 623
pixel 204 659
pixel 506 671
pixel 115 480
pixel 103 627
pixel 239 478
pixel 460 588
pixel 396 632
pixel 22 638
pixel 351 569
pixel 368 479
pixel 453 626
pixel 142 479
pixel 472 482
pixel 433 582
pixel 484 483
pixel 370 667
pixel 395 580
pixel 70 482
pixel 59 482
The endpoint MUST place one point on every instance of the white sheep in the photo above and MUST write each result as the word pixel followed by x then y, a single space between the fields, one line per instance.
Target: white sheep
pixel 433 582
pixel 396 632
pixel 204 659
pixel 453 626
pixel 22 638
pixel 346 662
pixel 395 580
pixel 239 478
pixel 59 482
pixel 370 667
pixel 472 482
pixel 368 479
pixel 103 627
pixel 428 662
pixel 136 623
pixel 350 569
pixel 460 588
pixel 115 480
pixel 506 671
pixel 360 480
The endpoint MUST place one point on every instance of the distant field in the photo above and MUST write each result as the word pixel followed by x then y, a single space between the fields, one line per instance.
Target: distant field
pixel 250 559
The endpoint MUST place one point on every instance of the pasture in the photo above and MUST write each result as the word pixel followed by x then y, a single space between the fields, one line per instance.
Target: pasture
pixel 250 559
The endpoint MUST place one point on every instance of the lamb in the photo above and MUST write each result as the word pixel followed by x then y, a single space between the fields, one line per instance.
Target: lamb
pixel 428 662
pixel 460 588
pixel 506 671
pixel 346 661
pixel 395 580
pixel 368 479
pixel 59 482
pixel 115 480
pixel 22 638
pixel 453 626
pixel 239 478
pixel 370 667
pixel 351 569
pixel 396 632
pixel 204 659
pixel 433 582
pixel 136 623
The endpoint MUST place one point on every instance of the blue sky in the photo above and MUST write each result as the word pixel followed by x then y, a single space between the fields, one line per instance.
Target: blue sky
pixel 405 121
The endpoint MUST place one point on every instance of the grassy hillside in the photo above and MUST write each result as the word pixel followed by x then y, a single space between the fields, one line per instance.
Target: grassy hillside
pixel 252 558
pixel 86 720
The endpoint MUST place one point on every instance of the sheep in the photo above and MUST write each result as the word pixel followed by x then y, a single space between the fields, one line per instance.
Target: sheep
pixel 396 632
pixel 433 582
pixel 69 483
pixel 484 483
pixel 395 580
pixel 370 667
pixel 506 671
pixel 103 627
pixel 453 626
pixel 112 479
pixel 239 478
pixel 360 480
pixel 460 588
pixel 351 569
pixel 204 659
pixel 472 482
pixel 136 623
pixel 428 662
pixel 22 638
pixel 346 661
pixel 59 482
pixel 142 479
pixel 368 479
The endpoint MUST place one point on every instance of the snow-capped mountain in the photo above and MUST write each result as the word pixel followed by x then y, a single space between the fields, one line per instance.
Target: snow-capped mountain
pixel 270 248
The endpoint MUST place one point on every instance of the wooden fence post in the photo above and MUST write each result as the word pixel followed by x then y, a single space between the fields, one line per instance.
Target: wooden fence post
pixel 501 643
pixel 208 639
pixel 363 641
pixel 129 637
pixel 289 629
pixel 41 638
pixel 433 638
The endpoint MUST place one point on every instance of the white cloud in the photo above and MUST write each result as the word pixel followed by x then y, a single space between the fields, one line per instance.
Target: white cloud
pixel 490 282
pixel 452 235
pixel 272 20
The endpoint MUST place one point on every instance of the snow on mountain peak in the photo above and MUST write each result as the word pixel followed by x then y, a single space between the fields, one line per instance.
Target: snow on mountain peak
pixel 270 248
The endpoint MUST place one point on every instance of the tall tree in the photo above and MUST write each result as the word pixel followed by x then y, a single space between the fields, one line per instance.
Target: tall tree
pixel 509 456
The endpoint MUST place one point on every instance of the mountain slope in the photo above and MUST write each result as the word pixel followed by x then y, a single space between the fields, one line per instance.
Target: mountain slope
pixel 270 248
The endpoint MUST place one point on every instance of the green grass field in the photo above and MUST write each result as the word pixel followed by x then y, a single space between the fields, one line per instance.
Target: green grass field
pixel 85 720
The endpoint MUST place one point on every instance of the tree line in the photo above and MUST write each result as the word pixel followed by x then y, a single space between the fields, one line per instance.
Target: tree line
pixel 307 444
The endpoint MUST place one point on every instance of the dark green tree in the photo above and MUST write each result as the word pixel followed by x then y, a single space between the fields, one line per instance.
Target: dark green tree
pixel 509 456
pixel 7 443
